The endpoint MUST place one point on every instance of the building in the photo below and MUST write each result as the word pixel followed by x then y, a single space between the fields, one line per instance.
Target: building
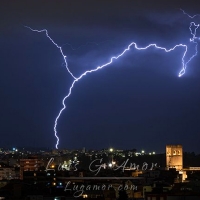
pixel 7 173
pixel 171 197
pixel 30 164
pixel 174 157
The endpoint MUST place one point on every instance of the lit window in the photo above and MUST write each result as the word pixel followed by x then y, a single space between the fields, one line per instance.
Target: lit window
pixel 85 196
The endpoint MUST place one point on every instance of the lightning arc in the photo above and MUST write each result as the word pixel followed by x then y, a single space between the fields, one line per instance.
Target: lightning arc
pixel 61 51
pixel 76 79
pixel 189 15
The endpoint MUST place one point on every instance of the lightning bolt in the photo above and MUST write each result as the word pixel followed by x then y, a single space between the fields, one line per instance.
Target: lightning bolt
pixel 133 44
pixel 59 47
pixel 189 15
pixel 194 39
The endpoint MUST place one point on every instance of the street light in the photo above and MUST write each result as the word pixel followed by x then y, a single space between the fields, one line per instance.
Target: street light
pixel 142 151
pixel 111 149
pixel 110 164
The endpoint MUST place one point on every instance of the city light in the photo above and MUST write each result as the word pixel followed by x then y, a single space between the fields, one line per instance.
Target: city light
pixel 110 165
pixel 113 162
pixel 85 196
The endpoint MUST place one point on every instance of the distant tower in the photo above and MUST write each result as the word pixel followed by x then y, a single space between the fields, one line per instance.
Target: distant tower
pixel 174 157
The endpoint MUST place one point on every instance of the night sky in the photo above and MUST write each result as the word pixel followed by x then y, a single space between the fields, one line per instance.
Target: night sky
pixel 137 102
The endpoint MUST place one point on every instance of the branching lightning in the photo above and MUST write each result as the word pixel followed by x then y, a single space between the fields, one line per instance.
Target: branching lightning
pixel 134 45
pixel 189 15
pixel 59 47
pixel 193 39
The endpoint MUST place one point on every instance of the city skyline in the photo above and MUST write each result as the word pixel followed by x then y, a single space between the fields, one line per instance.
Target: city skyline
pixel 137 102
